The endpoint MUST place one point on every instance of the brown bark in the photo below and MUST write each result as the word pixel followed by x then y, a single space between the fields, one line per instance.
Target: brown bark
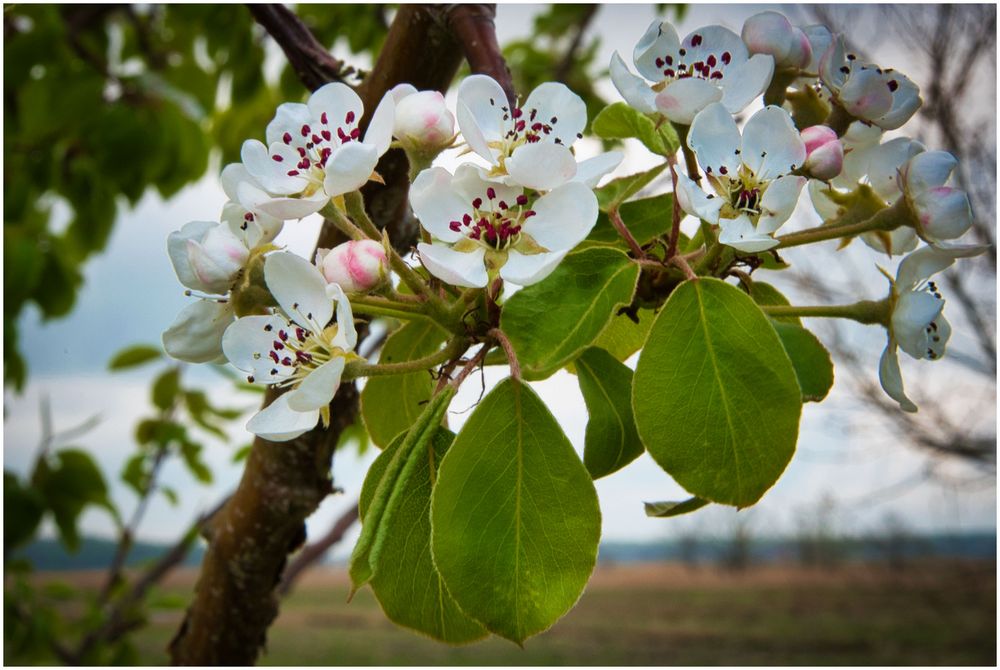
pixel 314 551
pixel 283 483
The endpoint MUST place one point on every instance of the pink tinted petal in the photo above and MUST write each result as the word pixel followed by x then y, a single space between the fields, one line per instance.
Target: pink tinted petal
pixel 681 100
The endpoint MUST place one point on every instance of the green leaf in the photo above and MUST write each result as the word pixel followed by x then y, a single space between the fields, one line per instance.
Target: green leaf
pixel 390 492
pixel 715 396
pixel 390 405
pixel 812 362
pixel 619 121
pixel 623 337
pixel 645 219
pixel 191 454
pixel 166 387
pixel 617 191
pixel 130 357
pixel 242 453
pixel 551 322
pixel 611 441
pixel 406 582
pixel 675 508
pixel 765 294
pixel 514 516
pixel 69 482
pixel 23 508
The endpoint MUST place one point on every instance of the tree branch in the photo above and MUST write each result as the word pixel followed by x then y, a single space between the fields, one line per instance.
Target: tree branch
pixel 316 550
pixel 473 26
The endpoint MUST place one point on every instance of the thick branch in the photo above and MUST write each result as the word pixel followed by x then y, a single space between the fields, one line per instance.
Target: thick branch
pixel 316 550
pixel 475 30
pixel 311 61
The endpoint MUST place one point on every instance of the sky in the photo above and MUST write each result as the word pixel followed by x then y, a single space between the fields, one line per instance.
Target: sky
pixel 131 295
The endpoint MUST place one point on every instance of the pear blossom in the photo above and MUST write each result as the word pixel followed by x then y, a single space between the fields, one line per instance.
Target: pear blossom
pixel 242 211
pixel 917 325
pixel 772 34
pixel 296 349
pixel 529 145
pixel 867 92
pixel 315 151
pixel 824 152
pixel 358 266
pixel 482 229
pixel 711 65
pixel 941 212
pixel 752 189
pixel 423 122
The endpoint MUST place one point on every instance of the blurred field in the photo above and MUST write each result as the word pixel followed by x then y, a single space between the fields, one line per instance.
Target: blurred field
pixel 931 613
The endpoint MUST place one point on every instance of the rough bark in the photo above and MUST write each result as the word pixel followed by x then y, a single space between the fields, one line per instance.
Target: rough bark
pixel 283 483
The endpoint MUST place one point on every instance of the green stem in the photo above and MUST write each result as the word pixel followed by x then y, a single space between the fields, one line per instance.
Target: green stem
pixel 713 249
pixel 452 350
pixel 889 218
pixel 864 311
pixel 839 120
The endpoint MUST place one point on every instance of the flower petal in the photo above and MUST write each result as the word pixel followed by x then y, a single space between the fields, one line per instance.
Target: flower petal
pixel 743 82
pixel 248 342
pixel 590 171
pixel 944 213
pixel 347 334
pixel 469 183
pixel 831 61
pixel 865 94
pixel 379 133
pixel 527 269
pixel 195 335
pixel 779 202
pixel 317 389
pixel 891 379
pixel 926 170
pixel 715 140
pixel 340 103
pixel 636 92
pixel 564 217
pixel 925 262
pixel 771 144
pixel 279 423
pixel 480 112
pixel 454 267
pixel 436 204
pixel 893 242
pixel 659 41
pixel 559 107
pixel 696 202
pixel 288 118
pixel 541 166
pixel 272 175
pixel 232 176
pixel 681 100
pixel 177 249
pixel 913 313
pixel 740 234
pixel 282 208
pixel 299 288
pixel 884 162
pixel 905 102
pixel 349 168
pixel 708 41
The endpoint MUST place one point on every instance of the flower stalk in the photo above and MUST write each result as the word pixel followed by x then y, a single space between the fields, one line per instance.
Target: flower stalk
pixel 864 311
pixel 886 219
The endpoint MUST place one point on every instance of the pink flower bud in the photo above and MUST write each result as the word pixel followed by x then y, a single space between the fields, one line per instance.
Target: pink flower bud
pixel 422 120
pixel 214 258
pixel 824 152
pixel 357 266
pixel 771 33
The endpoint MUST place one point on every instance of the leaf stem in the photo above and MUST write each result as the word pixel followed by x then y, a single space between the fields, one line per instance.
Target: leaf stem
pixel 501 338
pixel 616 221
pixel 864 311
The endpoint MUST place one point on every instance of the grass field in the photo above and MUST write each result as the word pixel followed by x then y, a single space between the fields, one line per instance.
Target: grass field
pixel 932 613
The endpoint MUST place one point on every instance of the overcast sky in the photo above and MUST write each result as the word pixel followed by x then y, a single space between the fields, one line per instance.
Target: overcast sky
pixel 131 295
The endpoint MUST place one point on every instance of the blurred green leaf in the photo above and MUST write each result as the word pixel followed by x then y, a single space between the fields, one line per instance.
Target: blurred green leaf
pixel 133 356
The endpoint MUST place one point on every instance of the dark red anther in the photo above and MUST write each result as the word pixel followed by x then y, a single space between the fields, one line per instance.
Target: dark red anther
pixel 522 200
pixel 274 356
pixel 322 118
pixel 716 75
pixel 477 203
pixel 300 334
pixel 711 60
pixel 283 335
pixel 349 118
pixel 455 226
pixel 726 57
pixel 519 126
pixel 302 152
pixel 356 133
pixel 305 130
pixel 342 135
pixel 893 85
pixel 316 139
pixel 277 345
pixel 695 41
pixel 490 193
pixel 277 158
pixel 293 173
pixel 466 219
pixel 286 361
pixel 287 138
pixel 659 62
pixel 303 357
pixel 529 213
pixel 248 217
pixel 723 170
pixel 516 112
pixel 327 135
pixel 536 127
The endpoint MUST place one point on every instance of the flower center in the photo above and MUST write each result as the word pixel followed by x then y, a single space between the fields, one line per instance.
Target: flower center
pixel 494 223
pixel 315 144
pixel 676 66
pixel 298 350
pixel 524 125
pixel 742 192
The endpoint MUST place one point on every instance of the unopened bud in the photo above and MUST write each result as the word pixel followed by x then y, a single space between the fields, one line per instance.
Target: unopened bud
pixel 942 212
pixel 423 122
pixel 357 266
pixel 824 152
pixel 770 33
pixel 214 258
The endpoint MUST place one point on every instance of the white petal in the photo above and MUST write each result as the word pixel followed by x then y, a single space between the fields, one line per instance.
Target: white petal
pixel 832 59
pixel 913 313
pixel 944 213
pixel 469 183
pixel 279 423
pixel 740 234
pixel 282 208
pixel 771 144
pixel 635 90
pixel 884 162
pixel 715 140
pixel 527 269
pixel 891 378
pixel 714 41
pixel 819 41
pixel 349 168
pixel 248 342
pixel 541 166
pixel 743 82
pixel 454 267
pixel 232 176
pixel 684 98
pixel 339 101
pixel 928 261
pixel 318 387
pixel 195 335
pixel 379 133
pixel 590 171
pixel 288 118
pixel 893 242
pixel 779 202
pixel 825 207
pixel 436 204
pixel 483 101
pixel 401 91
pixel 564 217
pixel 347 334
pixel 472 134
pixel 659 41
pixel 905 102
pixel 177 249
pixel 865 94
pixel 270 174
pixel 696 202
pixel 927 170
pixel 299 288
pixel 552 100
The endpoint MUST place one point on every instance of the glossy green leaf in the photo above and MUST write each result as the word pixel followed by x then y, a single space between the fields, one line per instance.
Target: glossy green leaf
pixel 611 441
pixel 390 405
pixel 514 516
pixel 675 508
pixel 551 322
pixel 390 492
pixel 406 582
pixel 716 400
pixel 623 336
pixel 617 191
pixel 645 219
pixel 812 362
pixel 619 121
pixel 765 294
